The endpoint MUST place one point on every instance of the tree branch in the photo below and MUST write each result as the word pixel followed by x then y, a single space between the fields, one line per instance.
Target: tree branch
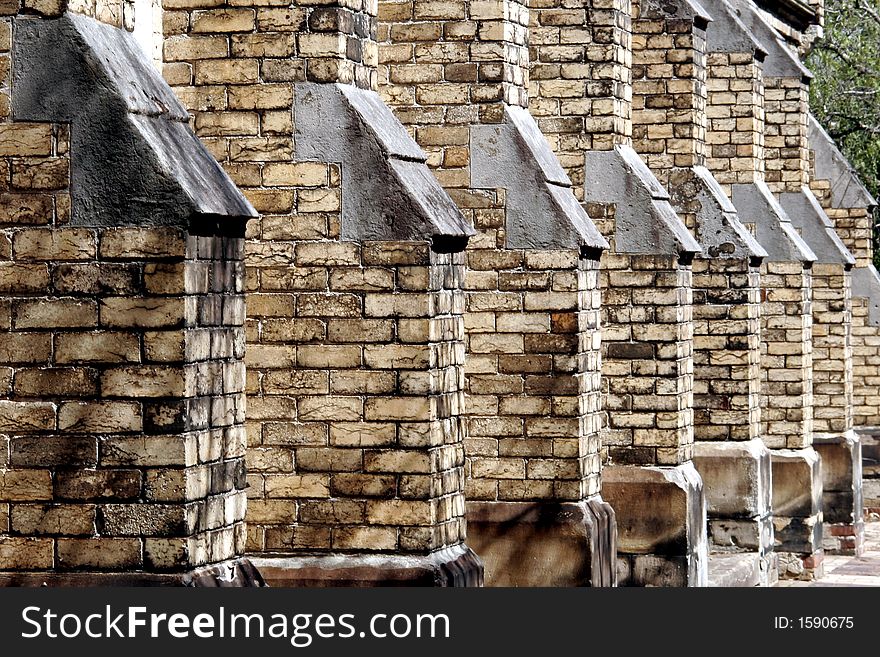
pixel 846 59
pixel 871 11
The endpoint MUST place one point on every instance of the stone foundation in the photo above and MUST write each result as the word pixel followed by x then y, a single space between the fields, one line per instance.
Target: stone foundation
pixel 737 482
pixel 456 566
pixel 544 544
pixel 842 507
pixel 797 511
pixel 661 524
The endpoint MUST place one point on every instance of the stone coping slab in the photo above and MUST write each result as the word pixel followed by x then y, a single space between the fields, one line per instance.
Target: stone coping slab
pixel 542 211
pixel 77 70
pixel 387 189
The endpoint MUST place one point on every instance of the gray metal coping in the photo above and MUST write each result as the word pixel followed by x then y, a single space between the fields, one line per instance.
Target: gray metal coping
pixel 645 221
pixel 135 160
pixel 781 61
pixel 388 191
pixel 866 285
pixel 718 228
pixel 541 211
pixel 727 33
pixel 847 190
pixel 815 227
pixel 756 204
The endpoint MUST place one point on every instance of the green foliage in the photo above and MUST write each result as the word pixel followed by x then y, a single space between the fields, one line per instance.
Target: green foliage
pixel 845 92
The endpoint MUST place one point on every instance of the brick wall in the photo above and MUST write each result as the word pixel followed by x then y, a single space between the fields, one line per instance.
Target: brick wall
pixel 786 151
pixel 786 355
pixel 355 382
pixel 457 75
pixel 122 390
pixel 649 368
pixel 852 217
pixel 582 95
pixel 581 78
pixel 669 89
pixel 533 379
pixel 735 111
pixel 132 457
pixel 355 353
pixel 832 349
pixel 671 117
pixel 727 328
pixel 532 314
pixel 769 132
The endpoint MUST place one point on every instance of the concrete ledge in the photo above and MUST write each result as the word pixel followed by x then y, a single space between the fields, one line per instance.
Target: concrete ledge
pixel 645 221
pixel 718 228
pixel 661 524
pixel 774 228
pixel 541 211
pixel 797 502
pixel 797 482
pixel 389 193
pixel 77 70
pixel 847 190
pixel 780 62
pixel 450 567
pixel 815 227
pixel 866 285
pixel 737 483
pixel 544 543
pixel 736 477
pixel 727 33
pixel 230 574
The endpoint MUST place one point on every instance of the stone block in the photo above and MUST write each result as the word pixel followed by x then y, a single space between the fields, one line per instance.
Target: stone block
pixel 842 496
pixel 544 543
pixel 661 514
pixel 453 566
pixel 736 477
pixel 797 482
pixel 99 553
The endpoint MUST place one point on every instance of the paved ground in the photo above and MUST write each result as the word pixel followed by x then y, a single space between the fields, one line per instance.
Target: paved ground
pixel 851 571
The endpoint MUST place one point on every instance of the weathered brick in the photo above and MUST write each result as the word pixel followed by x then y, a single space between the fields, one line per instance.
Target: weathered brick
pixel 97 347
pixel 100 417
pixel 55 313
pixel 59 382
pixel 54 244
pixel 26 416
pixel 99 553
pixel 97 484
pixel 25 347
pixel 60 519
pixel 143 382
pixel 141 313
pixel 48 451
pixel 26 553
pixel 25 139
pixel 156 451
pixel 25 485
